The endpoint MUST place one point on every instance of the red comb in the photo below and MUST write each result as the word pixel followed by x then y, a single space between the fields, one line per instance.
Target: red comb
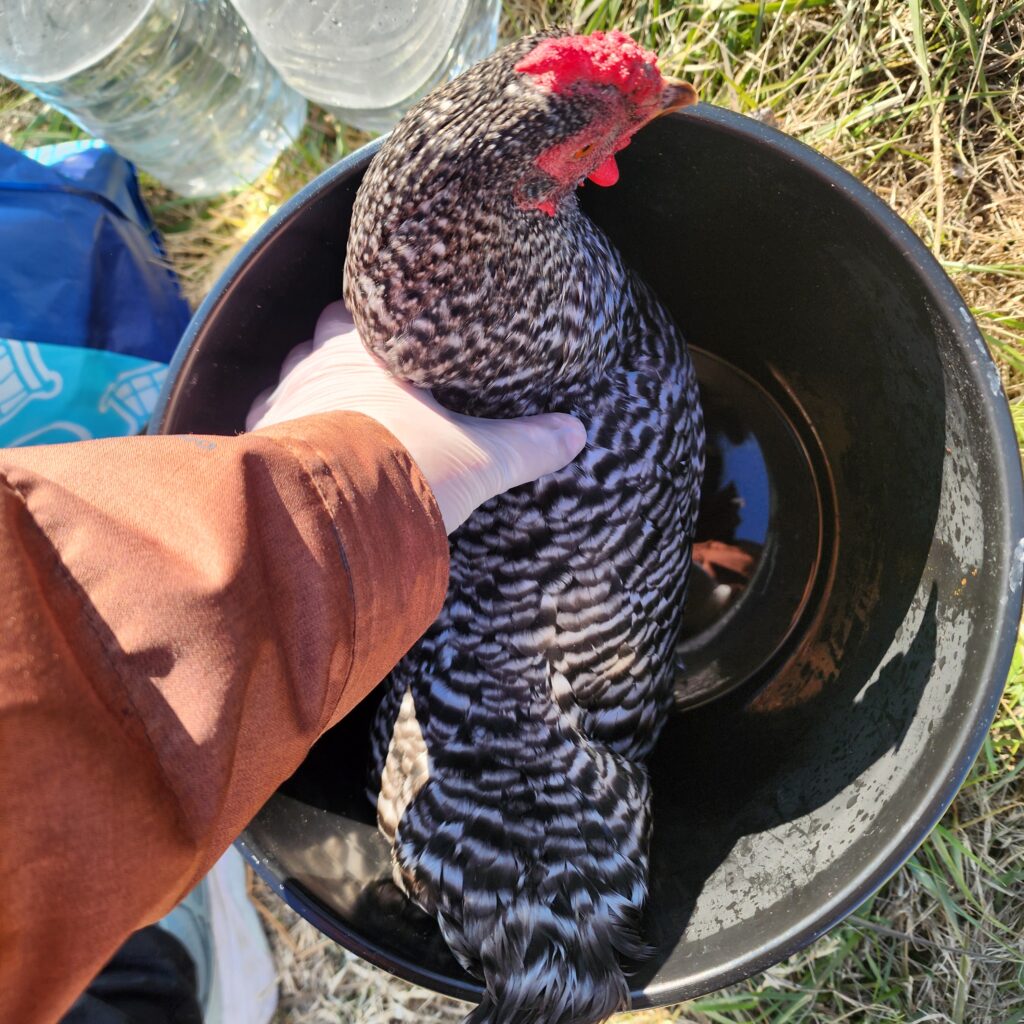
pixel 606 58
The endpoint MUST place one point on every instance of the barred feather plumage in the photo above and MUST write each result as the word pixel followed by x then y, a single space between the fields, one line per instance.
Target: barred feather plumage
pixel 510 743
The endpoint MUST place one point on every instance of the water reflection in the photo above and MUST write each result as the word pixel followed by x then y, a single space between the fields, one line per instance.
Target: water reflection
pixel 757 541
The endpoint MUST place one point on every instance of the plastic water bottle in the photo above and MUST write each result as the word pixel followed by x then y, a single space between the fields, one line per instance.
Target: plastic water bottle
pixel 368 61
pixel 177 86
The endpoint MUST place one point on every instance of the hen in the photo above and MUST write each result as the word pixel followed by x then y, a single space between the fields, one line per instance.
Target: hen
pixel 509 748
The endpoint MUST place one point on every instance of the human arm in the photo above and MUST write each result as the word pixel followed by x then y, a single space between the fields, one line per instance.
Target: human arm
pixel 182 618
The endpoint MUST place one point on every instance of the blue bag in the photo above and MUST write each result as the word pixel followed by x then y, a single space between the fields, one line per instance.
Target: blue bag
pixel 90 311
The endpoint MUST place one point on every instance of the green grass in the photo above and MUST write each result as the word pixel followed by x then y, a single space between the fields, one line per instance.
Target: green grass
pixel 923 101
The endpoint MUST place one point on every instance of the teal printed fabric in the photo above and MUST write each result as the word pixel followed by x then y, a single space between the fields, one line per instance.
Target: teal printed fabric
pixel 55 393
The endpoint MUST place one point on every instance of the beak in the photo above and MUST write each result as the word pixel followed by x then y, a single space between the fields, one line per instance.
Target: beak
pixel 675 95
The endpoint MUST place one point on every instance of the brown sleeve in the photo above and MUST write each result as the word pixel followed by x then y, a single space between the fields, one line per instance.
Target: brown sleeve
pixel 181 618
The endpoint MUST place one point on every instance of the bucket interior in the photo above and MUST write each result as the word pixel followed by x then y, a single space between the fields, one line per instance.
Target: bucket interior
pixel 858 516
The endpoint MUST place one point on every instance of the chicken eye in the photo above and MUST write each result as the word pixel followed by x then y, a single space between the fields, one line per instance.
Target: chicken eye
pixel 583 151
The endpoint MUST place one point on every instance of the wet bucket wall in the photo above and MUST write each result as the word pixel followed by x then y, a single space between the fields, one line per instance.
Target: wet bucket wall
pixel 862 528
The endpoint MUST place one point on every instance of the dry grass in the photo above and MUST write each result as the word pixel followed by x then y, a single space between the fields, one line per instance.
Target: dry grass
pixel 923 99
pixel 202 236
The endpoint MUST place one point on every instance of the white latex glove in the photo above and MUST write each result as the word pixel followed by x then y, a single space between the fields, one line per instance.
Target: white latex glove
pixel 465 460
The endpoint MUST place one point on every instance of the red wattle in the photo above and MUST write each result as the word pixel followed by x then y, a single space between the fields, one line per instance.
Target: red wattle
pixel 606 174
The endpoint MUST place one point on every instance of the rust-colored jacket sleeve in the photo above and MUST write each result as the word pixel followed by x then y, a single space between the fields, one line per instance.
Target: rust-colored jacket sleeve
pixel 181 618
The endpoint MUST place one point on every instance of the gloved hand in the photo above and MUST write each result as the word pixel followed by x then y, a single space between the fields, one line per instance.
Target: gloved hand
pixel 465 460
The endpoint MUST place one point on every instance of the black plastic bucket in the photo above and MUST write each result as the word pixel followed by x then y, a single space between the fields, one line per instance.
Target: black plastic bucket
pixel 864 481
